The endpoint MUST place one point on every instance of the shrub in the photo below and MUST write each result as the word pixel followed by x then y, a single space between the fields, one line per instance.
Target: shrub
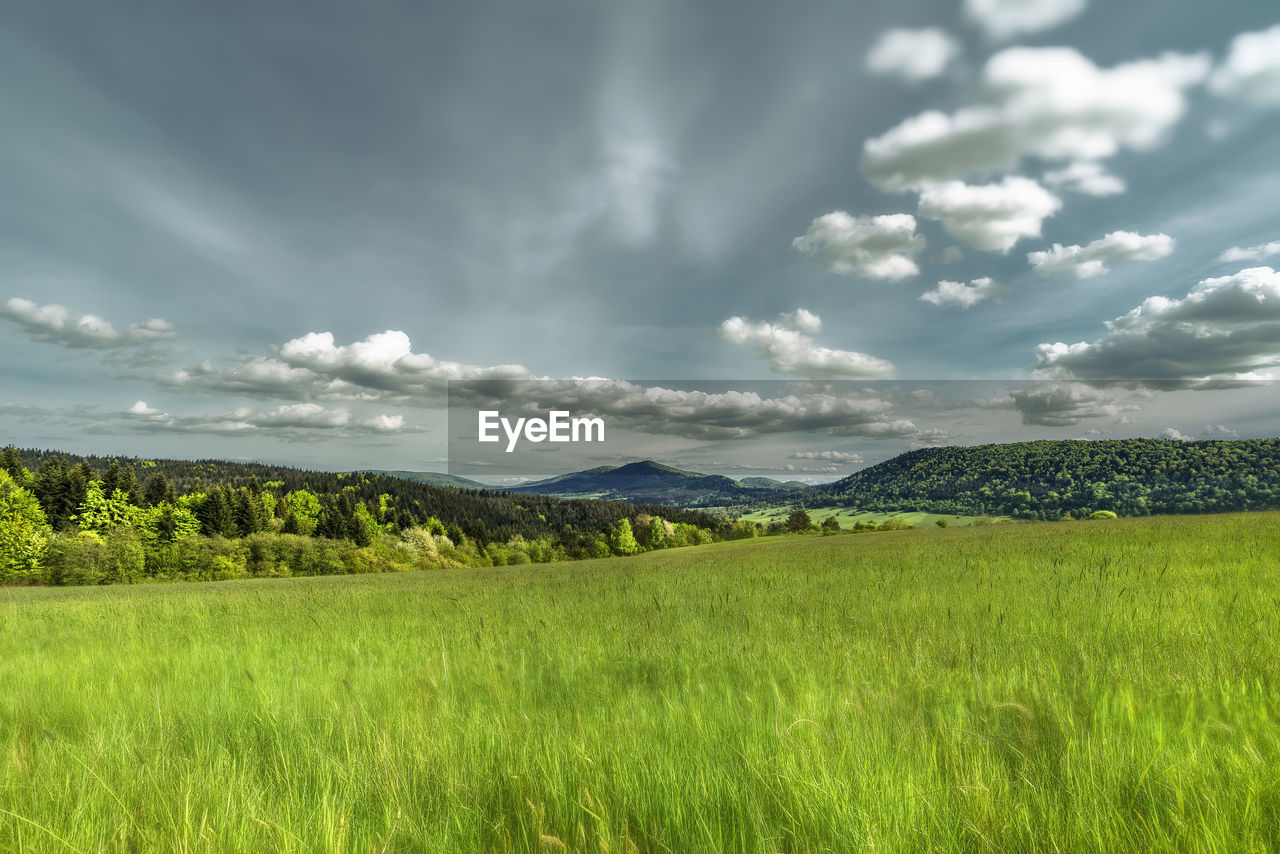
pixel 75 559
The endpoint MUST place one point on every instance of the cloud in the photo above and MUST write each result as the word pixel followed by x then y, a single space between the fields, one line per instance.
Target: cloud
pixel 1251 70
pixel 879 247
pixel 790 351
pixel 1087 177
pixel 1067 403
pixel 1250 253
pixel 54 324
pixel 990 216
pixel 382 366
pixel 830 408
pixel 141 408
pixel 383 361
pixel 385 423
pixel 803 320
pixel 1003 19
pixel 960 295
pixel 1051 103
pixel 912 55
pixel 255 376
pixel 1226 329
pixel 1176 435
pixel 831 456
pixel 304 417
pixel 1086 262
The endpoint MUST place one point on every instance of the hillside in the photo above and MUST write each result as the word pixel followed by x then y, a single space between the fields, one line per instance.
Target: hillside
pixel 1050 479
pixel 770 483
pixel 650 482
pixel 480 514
pixel 431 478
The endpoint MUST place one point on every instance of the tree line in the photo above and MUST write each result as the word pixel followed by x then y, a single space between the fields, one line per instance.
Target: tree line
pixel 84 520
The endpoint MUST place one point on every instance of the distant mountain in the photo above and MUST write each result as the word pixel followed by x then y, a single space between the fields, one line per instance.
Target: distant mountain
pixel 431 478
pixel 1050 479
pixel 650 482
pixel 770 483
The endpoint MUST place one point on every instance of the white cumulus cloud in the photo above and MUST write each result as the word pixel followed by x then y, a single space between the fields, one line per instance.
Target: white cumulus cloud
pixel 876 247
pixel 1052 103
pixel 1251 70
pixel 381 366
pixel 960 295
pixel 56 324
pixel 298 419
pixel 990 216
pixel 1260 252
pixel 912 55
pixel 1086 262
pixel 792 352
pixel 1002 19
pixel 1227 329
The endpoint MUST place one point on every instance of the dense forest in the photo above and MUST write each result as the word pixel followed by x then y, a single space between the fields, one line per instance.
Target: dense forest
pixel 66 520
pixel 1055 479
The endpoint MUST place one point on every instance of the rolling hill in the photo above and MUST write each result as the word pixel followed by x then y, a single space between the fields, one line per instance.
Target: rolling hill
pixel 770 483
pixel 431 478
pixel 650 482
pixel 1051 479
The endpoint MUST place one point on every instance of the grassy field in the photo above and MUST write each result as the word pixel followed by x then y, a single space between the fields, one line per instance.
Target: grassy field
pixel 848 518
pixel 1074 687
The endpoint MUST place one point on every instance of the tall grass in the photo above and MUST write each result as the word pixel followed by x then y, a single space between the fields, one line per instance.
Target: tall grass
pixel 1065 687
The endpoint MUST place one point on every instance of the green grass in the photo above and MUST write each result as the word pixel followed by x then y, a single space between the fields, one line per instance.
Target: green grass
pixel 848 518
pixel 1074 687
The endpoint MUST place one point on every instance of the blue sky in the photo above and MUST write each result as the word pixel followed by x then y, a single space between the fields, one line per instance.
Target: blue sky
pixel 235 230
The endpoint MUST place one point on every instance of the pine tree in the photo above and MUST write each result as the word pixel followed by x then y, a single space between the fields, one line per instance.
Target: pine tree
pixel 111 480
pixel 166 526
pixel 215 515
pixel 11 462
pixel 128 484
pixel 157 491
pixel 247 512
pixel 51 490
pixel 78 479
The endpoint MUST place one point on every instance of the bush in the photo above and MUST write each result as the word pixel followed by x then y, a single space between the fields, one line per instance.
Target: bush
pixel 1102 514
pixel 123 558
pixel 75 559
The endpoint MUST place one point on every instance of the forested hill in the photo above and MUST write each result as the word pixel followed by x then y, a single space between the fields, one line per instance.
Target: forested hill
pixel 652 483
pixel 1051 479
pixel 482 515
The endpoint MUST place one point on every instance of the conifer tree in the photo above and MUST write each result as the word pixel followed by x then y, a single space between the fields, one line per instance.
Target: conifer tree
pixel 157 491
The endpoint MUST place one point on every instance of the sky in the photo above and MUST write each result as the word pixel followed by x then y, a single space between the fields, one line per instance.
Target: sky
pixel 233 230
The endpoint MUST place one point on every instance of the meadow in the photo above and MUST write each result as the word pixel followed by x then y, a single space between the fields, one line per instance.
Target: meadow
pixel 1077 686
pixel 847 517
